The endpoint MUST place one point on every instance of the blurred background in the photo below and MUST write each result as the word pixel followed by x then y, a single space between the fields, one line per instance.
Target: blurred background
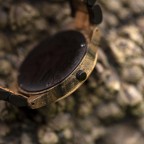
pixel 108 108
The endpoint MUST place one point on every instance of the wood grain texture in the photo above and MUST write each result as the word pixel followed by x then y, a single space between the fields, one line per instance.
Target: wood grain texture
pixel 52 61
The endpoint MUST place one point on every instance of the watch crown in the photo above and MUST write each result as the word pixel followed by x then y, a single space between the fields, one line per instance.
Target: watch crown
pixel 81 75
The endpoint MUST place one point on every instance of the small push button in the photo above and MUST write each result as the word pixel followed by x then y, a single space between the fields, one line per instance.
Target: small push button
pixel 81 75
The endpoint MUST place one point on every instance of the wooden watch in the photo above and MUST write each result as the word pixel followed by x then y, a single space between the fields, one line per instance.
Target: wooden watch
pixel 61 63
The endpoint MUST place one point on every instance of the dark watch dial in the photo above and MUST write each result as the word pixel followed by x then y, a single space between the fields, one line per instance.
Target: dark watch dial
pixel 52 61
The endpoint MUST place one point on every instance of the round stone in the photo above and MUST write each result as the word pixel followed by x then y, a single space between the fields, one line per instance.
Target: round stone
pixel 54 59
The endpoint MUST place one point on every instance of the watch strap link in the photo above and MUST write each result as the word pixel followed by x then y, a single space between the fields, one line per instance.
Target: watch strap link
pixel 13 98
pixel 87 6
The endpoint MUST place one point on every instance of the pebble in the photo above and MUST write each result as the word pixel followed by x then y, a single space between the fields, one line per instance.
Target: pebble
pixel 140 23
pixel 87 124
pixel 138 62
pixel 112 5
pixel 141 123
pixel 113 84
pixel 5 67
pixel 137 7
pixel 47 136
pixel 124 50
pixel 141 86
pixel 132 96
pixel 132 74
pixel 4 19
pixel 138 111
pixel 4 129
pixel 26 139
pixel 123 133
pixel 109 111
pixel 21 15
pixel 132 32
pixel 60 122
pixel 98 132
pixel 4 43
pixel 67 133
pixel 85 109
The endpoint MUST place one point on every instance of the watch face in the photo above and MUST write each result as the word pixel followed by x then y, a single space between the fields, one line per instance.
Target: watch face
pixel 53 60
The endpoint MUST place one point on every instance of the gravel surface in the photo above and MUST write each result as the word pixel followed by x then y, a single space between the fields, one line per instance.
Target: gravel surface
pixel 108 108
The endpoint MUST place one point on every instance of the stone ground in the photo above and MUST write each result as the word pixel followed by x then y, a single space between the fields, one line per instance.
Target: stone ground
pixel 108 108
